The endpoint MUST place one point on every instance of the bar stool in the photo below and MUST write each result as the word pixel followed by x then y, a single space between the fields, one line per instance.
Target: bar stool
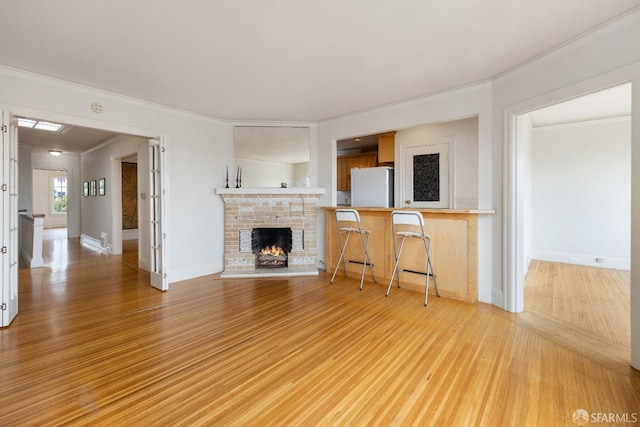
pixel 348 222
pixel 411 226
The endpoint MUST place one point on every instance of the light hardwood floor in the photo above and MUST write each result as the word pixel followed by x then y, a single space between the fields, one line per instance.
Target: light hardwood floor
pixel 94 344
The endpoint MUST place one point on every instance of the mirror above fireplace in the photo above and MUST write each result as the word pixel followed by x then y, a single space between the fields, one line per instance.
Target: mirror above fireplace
pixel 272 155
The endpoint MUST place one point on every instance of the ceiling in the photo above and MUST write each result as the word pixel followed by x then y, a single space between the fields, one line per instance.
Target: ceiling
pixel 293 60
pixel 71 139
pixel 609 103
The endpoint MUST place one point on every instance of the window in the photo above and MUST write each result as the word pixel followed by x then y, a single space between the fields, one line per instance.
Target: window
pixel 59 205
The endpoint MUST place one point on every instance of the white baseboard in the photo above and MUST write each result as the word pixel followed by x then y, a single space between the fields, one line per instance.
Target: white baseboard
pixel 92 242
pixel 497 298
pixel 583 259
pixel 485 295
pixel 130 234
pixel 192 273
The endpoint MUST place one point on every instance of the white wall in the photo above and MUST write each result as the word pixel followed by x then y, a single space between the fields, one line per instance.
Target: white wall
pixel 464 151
pixel 582 193
pixel 42 197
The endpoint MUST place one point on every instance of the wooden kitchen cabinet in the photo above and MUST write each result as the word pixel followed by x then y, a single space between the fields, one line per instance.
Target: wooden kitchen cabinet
pixel 386 148
pixel 343 170
pixel 347 162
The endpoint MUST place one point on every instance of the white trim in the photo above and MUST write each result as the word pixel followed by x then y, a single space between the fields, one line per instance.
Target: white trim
pixel 586 37
pixel 200 271
pixel 497 297
pixel 407 102
pixel 130 234
pixel 271 123
pixel 92 243
pixel 270 190
pixel 444 141
pixel 582 259
pixel 572 124
pixel 102 145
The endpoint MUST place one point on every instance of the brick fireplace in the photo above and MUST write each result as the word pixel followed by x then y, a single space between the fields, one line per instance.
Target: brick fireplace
pixel 249 209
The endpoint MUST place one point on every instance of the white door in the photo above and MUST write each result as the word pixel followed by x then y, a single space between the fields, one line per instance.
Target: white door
pixel 426 181
pixel 157 194
pixel 9 244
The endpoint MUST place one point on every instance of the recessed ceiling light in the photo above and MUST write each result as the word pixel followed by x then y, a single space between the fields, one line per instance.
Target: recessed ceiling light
pixel 55 153
pixel 36 124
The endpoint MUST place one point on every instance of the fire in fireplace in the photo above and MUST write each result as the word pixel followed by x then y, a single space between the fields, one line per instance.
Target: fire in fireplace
pixel 271 246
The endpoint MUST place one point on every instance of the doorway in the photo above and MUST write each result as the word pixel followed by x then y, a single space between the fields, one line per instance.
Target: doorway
pixel 572 215
pixel 91 158
pixel 77 182
pixel 50 196
pixel 573 114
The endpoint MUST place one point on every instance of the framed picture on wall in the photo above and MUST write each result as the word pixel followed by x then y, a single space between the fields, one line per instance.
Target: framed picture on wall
pixel 85 188
pixel 102 183
pixel 93 187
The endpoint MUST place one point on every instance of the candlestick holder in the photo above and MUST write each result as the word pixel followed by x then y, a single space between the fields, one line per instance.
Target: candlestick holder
pixel 227 183
pixel 237 183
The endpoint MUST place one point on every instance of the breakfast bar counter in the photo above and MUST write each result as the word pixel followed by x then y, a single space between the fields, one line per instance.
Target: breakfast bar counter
pixel 454 250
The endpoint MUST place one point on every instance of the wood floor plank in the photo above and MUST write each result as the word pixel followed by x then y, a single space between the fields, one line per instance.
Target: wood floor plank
pixel 95 344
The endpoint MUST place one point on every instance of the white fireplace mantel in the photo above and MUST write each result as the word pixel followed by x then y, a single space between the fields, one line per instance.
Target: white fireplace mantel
pixel 270 190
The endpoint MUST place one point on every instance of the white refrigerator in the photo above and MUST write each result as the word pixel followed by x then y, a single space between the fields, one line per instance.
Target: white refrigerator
pixel 372 187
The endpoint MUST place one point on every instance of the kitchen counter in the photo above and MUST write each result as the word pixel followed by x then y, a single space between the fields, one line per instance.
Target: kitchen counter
pixel 454 249
pixel 423 210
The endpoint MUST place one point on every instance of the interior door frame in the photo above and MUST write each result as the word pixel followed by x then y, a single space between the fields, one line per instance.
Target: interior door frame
pixel 403 168
pixel 514 270
pixel 119 128
pixel 9 235
pixel 116 192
